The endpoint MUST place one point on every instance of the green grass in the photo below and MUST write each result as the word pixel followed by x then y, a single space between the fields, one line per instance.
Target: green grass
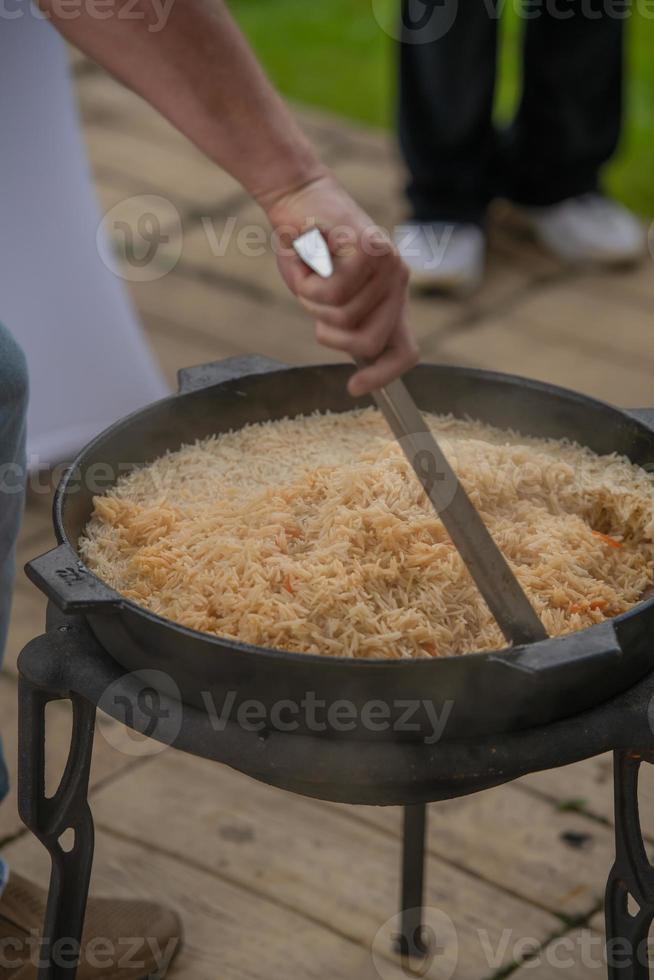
pixel 334 54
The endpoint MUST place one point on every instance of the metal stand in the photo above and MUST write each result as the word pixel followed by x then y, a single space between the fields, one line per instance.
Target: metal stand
pixel 50 819
pixel 632 877
pixel 67 663
pixel 411 941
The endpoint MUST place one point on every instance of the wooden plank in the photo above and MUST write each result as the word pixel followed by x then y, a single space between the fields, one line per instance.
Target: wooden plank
pixel 588 786
pixel 595 321
pixel 515 243
pixel 36 536
pixel 376 186
pixel 353 138
pixel 306 855
pixel 337 138
pixel 213 309
pixel 512 268
pixel 174 349
pixel 579 954
pixel 229 932
pixel 430 317
pixel 503 344
pixel 27 621
pixel 120 205
pixel 40 490
pixel 627 287
pixel 104 101
pixel 231 321
pixel 525 845
pixel 77 60
pixel 181 174
pixel 597 922
pixel 33 540
pixel 236 246
pixel 435 318
pixel 221 248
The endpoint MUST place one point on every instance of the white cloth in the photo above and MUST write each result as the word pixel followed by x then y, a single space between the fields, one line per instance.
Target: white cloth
pixel 88 360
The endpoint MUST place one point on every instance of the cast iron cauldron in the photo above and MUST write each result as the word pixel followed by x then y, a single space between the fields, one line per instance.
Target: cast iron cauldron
pixel 481 693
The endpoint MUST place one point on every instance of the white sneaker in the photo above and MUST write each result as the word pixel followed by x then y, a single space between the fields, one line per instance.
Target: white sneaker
pixel 448 257
pixel 588 229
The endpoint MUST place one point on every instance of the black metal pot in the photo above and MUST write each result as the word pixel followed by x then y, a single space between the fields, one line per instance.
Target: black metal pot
pixel 477 694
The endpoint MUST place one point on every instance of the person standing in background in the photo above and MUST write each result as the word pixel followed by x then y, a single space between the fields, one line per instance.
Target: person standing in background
pixel 548 162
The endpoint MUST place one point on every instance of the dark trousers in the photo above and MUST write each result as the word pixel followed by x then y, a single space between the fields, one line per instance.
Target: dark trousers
pixel 567 125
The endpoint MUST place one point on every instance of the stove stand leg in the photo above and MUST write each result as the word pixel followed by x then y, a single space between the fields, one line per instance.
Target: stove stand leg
pixel 50 819
pixel 411 943
pixel 632 876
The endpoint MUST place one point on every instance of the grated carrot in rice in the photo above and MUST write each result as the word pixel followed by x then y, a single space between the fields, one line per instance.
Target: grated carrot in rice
pixel 313 535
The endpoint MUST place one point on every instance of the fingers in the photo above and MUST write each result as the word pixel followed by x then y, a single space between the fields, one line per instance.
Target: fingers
pixel 401 355
pixel 371 325
pixel 368 337
pixel 361 309
pixel 350 315
pixel 358 258
pixel 350 276
pixel 362 324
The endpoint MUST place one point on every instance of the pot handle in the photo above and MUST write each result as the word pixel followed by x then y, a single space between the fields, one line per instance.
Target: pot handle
pixel 63 578
pixel 214 373
pixel 598 643
pixel 645 415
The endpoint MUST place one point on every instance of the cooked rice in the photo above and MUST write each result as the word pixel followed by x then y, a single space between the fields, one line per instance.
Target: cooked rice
pixel 313 535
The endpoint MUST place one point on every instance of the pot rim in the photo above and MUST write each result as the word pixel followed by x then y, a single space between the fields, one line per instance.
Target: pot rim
pixel 505 653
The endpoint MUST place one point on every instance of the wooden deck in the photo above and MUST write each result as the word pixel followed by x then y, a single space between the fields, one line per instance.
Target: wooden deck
pixel 270 885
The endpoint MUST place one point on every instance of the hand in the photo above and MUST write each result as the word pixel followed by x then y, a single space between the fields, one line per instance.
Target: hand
pixel 362 309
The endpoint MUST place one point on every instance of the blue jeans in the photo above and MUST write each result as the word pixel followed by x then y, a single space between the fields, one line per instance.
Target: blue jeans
pixel 13 410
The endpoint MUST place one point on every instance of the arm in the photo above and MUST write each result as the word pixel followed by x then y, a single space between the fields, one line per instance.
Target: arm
pixel 199 72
